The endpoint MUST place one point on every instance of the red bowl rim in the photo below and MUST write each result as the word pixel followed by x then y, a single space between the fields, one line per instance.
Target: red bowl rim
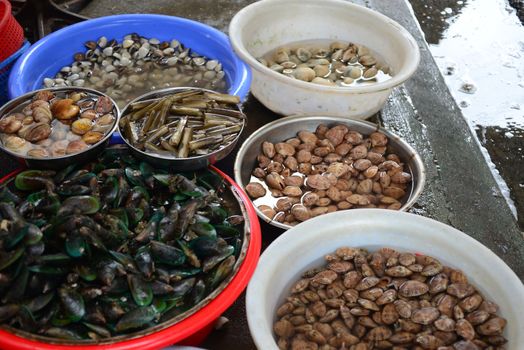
pixel 184 328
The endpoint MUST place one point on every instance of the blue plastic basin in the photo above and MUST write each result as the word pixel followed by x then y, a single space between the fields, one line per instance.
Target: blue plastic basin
pixel 48 55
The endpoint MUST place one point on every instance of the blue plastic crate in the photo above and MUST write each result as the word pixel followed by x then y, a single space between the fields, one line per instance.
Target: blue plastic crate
pixel 5 69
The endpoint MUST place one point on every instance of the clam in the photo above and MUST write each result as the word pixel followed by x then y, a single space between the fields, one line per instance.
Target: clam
pixel 92 137
pixel 106 119
pixel 322 81
pixel 322 71
pixel 58 132
pixel 38 153
pixel 77 96
pixel 65 109
pixel 305 73
pixel 288 65
pixel 10 124
pixel 42 114
pixel 320 53
pixel 353 72
pixel 303 54
pixel 76 146
pixel 370 73
pixel 81 126
pixel 103 105
pixel 38 132
pixel 58 148
pixel 14 143
pixel 45 143
pixel 89 114
pixel 281 55
pixel 44 95
pixel 367 60
pixel 27 120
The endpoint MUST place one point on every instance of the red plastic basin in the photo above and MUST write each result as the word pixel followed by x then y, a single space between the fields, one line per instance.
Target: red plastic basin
pixel 11 33
pixel 194 329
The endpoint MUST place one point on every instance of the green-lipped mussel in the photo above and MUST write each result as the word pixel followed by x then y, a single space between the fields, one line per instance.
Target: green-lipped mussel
pixel 112 248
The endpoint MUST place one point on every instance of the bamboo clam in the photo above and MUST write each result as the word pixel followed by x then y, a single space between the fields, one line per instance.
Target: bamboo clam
pixel 183 124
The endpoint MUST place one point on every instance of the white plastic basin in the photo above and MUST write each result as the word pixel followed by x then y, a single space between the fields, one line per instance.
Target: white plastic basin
pixel 268 24
pixel 305 245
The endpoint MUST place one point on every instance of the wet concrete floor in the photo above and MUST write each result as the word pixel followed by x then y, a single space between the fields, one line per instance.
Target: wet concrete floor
pixel 478 46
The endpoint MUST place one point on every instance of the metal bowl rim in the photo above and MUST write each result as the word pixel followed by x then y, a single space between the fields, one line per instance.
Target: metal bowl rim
pixel 415 157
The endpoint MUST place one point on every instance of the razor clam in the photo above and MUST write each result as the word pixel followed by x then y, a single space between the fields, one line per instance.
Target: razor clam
pixel 112 247
pixel 183 124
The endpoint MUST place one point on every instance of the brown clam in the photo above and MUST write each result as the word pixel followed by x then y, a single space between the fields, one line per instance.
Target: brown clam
pixel 76 147
pixel 92 137
pixel 38 132
pixel 65 109
pixel 81 126
pixel 10 124
pixel 38 153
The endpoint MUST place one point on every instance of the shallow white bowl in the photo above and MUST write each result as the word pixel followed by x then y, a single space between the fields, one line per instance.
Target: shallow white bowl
pixel 268 24
pixel 305 245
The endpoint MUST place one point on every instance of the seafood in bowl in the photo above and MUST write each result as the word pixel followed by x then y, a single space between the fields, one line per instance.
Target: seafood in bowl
pixel 114 249
pixel 328 63
pixel 186 128
pixel 56 123
pixel 387 298
pixel 137 65
pixel 375 278
pixel 266 26
pixel 301 167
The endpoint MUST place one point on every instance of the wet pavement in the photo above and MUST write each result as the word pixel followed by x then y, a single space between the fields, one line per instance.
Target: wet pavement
pixel 478 46
pixel 216 13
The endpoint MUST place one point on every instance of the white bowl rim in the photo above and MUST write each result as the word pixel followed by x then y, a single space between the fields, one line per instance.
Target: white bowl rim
pixel 407 70
pixel 269 260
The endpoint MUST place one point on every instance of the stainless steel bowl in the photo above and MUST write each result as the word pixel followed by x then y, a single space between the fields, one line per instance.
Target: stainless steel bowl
pixel 179 164
pixel 63 161
pixel 285 128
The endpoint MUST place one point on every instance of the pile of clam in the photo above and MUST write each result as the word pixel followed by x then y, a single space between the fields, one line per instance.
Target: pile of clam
pixel 327 170
pixel 125 70
pixel 386 300
pixel 324 63
pixel 54 124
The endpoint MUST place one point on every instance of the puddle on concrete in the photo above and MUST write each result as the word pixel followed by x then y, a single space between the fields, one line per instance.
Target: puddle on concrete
pixel 479 48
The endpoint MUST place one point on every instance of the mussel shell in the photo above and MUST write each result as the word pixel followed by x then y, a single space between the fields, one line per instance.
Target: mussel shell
pixel 167 254
pixel 140 290
pixel 136 318
pixel 79 205
pixel 72 303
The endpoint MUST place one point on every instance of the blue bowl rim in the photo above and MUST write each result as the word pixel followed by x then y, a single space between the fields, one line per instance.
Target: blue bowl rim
pixel 243 79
